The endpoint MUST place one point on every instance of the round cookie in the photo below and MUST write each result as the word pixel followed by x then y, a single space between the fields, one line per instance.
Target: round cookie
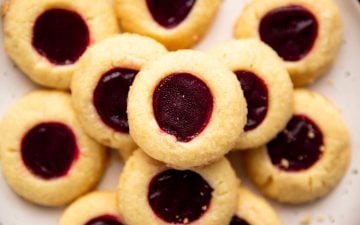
pixel 45 38
pixel 266 85
pixel 42 143
pixel 100 91
pixel 306 34
pixel 179 112
pixel 96 208
pixel 253 210
pixel 163 195
pixel 177 23
pixel 308 158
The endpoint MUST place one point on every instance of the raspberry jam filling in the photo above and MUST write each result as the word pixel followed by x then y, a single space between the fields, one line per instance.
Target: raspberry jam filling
pixel 60 35
pixel 104 220
pixel 110 98
pixel 179 196
pixel 170 14
pixel 182 105
pixel 238 221
pixel 49 149
pixel 298 146
pixel 290 30
pixel 256 95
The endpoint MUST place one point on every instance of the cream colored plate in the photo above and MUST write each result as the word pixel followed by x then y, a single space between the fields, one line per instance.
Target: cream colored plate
pixel 341 84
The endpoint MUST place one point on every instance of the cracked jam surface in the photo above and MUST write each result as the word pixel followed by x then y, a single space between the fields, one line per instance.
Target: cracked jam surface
pixel 298 147
pixel 61 36
pixel 290 30
pixel 178 196
pixel 256 95
pixel 49 149
pixel 182 105
pixel 170 14
pixel 110 98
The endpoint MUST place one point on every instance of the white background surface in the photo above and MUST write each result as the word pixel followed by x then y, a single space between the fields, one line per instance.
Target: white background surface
pixel 341 85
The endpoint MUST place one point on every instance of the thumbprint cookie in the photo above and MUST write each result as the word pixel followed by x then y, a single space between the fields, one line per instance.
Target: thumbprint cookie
pixel 308 158
pixel 149 192
pixel 101 83
pixel 45 156
pixel 186 109
pixel 45 38
pixel 267 88
pixel 176 23
pixel 253 210
pixel 96 208
pixel 306 34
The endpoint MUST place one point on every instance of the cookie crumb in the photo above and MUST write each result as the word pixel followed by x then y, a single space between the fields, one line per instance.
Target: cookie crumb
pixel 284 163
pixel 320 219
pixel 347 74
pixel 306 220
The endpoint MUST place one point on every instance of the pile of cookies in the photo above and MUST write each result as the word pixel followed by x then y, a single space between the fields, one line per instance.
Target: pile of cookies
pixel 172 115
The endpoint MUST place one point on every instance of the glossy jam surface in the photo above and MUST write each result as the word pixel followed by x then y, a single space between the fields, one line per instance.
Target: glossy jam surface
pixel 104 220
pixel 291 31
pixel 171 13
pixel 49 149
pixel 61 36
pixel 179 196
pixel 256 95
pixel 182 105
pixel 238 221
pixel 298 146
pixel 110 98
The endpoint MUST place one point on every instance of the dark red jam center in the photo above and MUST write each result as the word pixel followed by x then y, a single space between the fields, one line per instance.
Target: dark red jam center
pixel 179 196
pixel 60 35
pixel 49 149
pixel 256 95
pixel 104 220
pixel 298 146
pixel 291 31
pixel 182 105
pixel 110 97
pixel 238 221
pixel 170 13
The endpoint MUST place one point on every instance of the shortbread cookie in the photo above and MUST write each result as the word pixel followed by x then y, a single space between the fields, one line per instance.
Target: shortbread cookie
pixel 176 23
pixel 96 208
pixel 266 85
pixel 253 210
pixel 45 38
pixel 101 83
pixel 305 33
pixel 151 193
pixel 308 158
pixel 186 109
pixel 45 155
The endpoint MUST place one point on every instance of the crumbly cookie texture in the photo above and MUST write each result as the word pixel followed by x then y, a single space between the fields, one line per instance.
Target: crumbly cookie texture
pixel 19 19
pixel 134 16
pixel 306 185
pixel 252 55
pixel 221 132
pixel 33 109
pixel 327 43
pixel 90 206
pixel 129 51
pixel 255 210
pixel 134 182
